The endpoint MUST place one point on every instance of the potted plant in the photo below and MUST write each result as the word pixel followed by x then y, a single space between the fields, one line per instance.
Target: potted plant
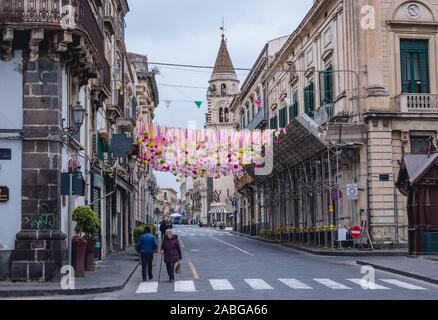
pixel 87 226
pixel 91 230
pixel 79 242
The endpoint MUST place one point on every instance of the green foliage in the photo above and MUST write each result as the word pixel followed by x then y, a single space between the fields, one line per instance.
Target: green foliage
pixel 86 220
pixel 138 231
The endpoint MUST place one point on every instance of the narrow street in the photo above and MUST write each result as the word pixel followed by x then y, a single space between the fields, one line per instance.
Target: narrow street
pixel 218 265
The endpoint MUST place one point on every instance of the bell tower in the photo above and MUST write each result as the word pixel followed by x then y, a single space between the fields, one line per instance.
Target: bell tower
pixel 223 87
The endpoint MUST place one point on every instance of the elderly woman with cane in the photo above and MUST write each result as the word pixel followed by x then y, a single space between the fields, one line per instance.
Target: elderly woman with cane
pixel 171 252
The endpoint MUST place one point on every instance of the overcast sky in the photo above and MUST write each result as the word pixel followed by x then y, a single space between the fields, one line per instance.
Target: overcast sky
pixel 187 32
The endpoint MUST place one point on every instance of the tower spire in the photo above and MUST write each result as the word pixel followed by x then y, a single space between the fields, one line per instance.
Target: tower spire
pixel 223 61
pixel 223 28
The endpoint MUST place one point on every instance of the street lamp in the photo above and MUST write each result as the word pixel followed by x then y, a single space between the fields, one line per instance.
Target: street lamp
pixel 78 116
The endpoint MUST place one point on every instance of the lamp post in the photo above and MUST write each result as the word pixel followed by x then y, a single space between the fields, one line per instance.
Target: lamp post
pixel 78 116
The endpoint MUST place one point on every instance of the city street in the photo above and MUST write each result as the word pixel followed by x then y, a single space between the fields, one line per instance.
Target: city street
pixel 218 265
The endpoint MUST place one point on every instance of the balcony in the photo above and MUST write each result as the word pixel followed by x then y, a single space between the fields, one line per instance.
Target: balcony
pixel 324 114
pixel 53 15
pixel 259 120
pixel 417 103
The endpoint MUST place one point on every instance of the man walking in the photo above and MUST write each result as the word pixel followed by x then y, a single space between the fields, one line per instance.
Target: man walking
pixel 163 228
pixel 147 245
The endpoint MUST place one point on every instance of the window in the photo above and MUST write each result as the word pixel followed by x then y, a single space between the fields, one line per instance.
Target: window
pixel 326 85
pixel 227 119
pixel 420 145
pixel 273 123
pixel 309 100
pixel 224 89
pixel 248 117
pixel 221 115
pixel 414 55
pixel 243 120
pixel 283 117
pixel 293 109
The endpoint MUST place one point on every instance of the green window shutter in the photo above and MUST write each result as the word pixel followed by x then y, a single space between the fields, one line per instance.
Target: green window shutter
pixel 283 118
pixel 414 56
pixel 309 100
pixel 328 85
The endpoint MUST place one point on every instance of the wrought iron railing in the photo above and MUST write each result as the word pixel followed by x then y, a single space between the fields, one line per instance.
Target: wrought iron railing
pixel 417 103
pixel 63 14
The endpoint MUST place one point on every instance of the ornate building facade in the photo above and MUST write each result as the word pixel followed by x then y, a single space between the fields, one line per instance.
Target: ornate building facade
pixel 355 86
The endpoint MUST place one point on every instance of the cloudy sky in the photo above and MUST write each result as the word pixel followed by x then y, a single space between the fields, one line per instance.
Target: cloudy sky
pixel 187 32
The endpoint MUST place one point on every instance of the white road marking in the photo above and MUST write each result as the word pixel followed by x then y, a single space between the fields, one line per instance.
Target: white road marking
pixel 185 286
pixel 258 284
pixel 368 285
pixel 295 284
pixel 246 252
pixel 332 284
pixel 147 287
pixel 402 284
pixel 221 284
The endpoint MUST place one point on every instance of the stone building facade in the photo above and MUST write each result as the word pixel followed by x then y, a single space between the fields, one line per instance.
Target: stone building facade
pixel 54 59
pixel 355 86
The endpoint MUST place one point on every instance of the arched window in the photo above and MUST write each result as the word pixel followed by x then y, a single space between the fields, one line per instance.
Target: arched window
pixel 227 119
pixel 213 89
pixel 221 115
pixel 224 89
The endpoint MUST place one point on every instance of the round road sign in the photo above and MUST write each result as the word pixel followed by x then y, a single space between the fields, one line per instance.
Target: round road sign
pixel 356 232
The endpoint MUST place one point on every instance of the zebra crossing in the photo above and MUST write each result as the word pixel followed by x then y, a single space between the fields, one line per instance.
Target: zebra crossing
pixel 186 286
pixel 217 234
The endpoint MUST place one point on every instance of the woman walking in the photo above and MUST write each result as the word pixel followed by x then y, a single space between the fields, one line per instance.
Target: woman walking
pixel 172 253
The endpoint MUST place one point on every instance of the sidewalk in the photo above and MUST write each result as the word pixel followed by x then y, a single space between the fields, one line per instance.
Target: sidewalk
pixel 112 274
pixel 423 268
pixel 346 252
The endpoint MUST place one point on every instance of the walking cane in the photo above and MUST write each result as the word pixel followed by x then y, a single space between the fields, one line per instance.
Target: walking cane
pixel 161 264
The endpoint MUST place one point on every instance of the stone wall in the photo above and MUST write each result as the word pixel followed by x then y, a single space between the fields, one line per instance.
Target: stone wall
pixel 40 246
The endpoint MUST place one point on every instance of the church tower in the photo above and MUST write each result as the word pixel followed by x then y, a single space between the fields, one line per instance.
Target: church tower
pixel 224 86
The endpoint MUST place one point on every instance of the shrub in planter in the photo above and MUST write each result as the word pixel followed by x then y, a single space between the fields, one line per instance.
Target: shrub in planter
pixel 87 223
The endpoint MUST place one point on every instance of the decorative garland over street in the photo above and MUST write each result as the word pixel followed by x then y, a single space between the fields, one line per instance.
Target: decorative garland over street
pixel 203 153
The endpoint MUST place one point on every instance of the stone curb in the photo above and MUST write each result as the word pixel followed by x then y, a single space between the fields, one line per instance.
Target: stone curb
pixel 339 253
pixel 398 272
pixel 60 292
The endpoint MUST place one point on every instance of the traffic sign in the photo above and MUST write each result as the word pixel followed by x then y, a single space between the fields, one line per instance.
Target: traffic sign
pixel 336 194
pixel 352 192
pixel 234 203
pixel 356 232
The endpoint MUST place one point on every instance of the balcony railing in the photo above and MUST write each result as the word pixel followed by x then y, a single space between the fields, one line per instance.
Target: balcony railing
pixel 417 103
pixel 324 114
pixel 54 14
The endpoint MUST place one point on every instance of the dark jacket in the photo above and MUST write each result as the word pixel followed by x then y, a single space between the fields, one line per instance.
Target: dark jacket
pixel 172 250
pixel 147 243
pixel 163 227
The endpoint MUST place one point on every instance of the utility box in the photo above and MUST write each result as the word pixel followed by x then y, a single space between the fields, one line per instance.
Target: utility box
pixel 430 242
pixel 342 234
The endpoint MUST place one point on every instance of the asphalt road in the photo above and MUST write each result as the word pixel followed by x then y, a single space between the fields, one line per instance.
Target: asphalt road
pixel 218 265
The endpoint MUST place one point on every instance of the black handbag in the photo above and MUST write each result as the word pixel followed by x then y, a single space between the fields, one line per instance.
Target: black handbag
pixel 178 268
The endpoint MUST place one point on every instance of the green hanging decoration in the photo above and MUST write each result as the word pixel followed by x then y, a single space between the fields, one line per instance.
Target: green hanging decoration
pixel 198 104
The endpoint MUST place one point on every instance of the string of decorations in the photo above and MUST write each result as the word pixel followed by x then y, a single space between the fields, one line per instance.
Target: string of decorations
pixel 200 153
